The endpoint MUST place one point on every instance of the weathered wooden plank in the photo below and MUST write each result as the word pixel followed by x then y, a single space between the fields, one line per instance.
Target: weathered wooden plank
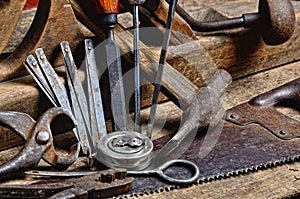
pixel 10 12
pixel 240 51
pixel 182 32
pixel 175 85
pixel 53 23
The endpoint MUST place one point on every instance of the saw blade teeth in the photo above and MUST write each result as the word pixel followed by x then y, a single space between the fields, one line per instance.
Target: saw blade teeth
pixel 218 176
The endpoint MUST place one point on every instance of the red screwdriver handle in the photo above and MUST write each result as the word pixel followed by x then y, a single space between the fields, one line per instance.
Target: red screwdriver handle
pixel 107 6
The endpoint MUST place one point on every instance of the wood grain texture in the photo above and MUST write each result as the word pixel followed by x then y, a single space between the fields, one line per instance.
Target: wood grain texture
pixel 54 22
pixel 10 12
pixel 175 85
pixel 241 51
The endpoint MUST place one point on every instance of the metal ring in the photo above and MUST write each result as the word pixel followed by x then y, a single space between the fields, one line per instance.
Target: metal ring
pixel 187 164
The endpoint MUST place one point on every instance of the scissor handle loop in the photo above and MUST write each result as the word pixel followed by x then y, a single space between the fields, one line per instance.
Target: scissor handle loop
pixel 187 164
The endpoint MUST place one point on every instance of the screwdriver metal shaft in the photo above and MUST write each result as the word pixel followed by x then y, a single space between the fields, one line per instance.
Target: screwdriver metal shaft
pixel 162 61
pixel 137 117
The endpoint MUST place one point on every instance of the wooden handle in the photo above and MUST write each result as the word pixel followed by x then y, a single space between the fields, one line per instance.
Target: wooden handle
pixel 107 6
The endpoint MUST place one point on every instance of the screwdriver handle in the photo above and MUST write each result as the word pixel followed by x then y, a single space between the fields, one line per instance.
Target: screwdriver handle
pixel 107 6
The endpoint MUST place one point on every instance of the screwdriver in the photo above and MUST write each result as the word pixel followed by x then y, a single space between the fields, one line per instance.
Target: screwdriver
pixel 107 11
pixel 137 119
pixel 162 61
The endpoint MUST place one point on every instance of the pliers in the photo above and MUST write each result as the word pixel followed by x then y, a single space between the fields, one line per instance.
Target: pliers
pixel 39 140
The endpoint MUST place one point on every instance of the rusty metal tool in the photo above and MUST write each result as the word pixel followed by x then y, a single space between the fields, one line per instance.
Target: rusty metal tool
pixel 107 11
pixel 97 119
pixel 159 171
pixel 78 99
pixel 276 21
pixel 49 82
pixel 137 117
pixel 89 116
pixel 39 140
pixel 251 136
pixel 134 151
pixel 160 69
pixel 45 76
pixel 100 184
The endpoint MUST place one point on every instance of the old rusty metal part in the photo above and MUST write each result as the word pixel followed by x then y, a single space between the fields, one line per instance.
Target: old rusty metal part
pixel 252 136
pixel 159 172
pixel 100 184
pixel 41 34
pixel 39 141
pixel 276 20
pixel 97 119
pixel 78 99
pixel 279 20
pixel 89 117
pixel 264 105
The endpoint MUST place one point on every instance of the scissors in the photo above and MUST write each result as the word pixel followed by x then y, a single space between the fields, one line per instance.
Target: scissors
pixel 159 171
pixel 39 140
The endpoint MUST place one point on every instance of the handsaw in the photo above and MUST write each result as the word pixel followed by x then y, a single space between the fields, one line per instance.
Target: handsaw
pixel 251 136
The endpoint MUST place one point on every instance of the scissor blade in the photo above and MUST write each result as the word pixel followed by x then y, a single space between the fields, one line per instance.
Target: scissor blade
pixel 98 126
pixel 78 99
pixel 118 104
pixel 38 76
pixel 60 173
pixel 56 85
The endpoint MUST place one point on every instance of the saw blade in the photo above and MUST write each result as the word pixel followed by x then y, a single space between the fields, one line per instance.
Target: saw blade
pixel 252 136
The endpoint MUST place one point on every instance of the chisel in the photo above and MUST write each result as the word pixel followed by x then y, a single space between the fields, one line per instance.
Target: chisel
pixel 107 13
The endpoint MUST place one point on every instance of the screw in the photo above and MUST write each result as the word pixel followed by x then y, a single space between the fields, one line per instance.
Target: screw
pixel 276 20
pixel 43 137
pixel 233 116
pixel 282 132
